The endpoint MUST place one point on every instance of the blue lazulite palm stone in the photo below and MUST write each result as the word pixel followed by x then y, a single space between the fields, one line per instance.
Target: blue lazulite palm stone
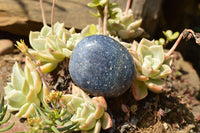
pixel 101 66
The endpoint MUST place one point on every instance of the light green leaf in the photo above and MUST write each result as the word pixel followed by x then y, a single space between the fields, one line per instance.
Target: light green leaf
pixel 158 53
pixel 102 2
pixel 17 77
pixel 15 100
pixel 89 123
pixel 139 89
pixel 39 44
pixel 147 69
pixel 92 30
pixel 44 56
pixel 92 4
pixel 9 88
pixel 155 85
pixel 134 25
pixel 143 51
pixel 33 36
pixel 165 70
pixel 125 34
pixel 57 54
pixel 126 20
pixel 161 41
pixel 170 35
pixel 113 25
pixel 67 52
pixel 23 109
pixel 45 31
pixel 87 110
pixel 48 67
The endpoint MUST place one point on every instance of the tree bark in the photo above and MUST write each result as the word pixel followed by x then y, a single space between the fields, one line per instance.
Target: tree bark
pixel 148 10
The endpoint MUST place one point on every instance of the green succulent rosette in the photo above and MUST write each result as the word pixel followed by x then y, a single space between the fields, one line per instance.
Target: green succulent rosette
pixel 124 25
pixel 151 68
pixel 89 113
pixel 53 48
pixel 25 89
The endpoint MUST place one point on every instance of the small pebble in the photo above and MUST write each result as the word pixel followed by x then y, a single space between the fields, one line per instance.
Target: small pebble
pixel 6 46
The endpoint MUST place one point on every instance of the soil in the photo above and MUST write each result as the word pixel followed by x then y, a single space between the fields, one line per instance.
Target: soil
pixel 175 110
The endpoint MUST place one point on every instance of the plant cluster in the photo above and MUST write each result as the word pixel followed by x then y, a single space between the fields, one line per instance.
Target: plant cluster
pixel 49 117
pixel 77 111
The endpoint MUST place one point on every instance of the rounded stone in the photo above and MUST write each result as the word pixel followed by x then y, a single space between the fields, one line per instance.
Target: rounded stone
pixel 100 65
pixel 6 46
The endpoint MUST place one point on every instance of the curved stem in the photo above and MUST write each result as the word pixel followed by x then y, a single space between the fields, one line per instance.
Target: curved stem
pixel 127 6
pixel 43 13
pixel 174 46
pixel 39 70
pixel 105 18
pixel 100 26
pixel 52 16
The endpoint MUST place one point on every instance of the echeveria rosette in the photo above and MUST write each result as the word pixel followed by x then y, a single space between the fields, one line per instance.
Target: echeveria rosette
pixel 151 67
pixel 90 113
pixel 25 89
pixel 52 48
pixel 124 25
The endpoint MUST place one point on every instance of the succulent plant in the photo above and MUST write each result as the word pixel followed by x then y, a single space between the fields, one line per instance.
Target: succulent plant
pixel 118 23
pixel 48 117
pixel 3 110
pixel 151 66
pixel 160 41
pixel 104 11
pixel 89 113
pixel 25 89
pixel 99 5
pixel 52 48
pixel 124 25
pixel 170 36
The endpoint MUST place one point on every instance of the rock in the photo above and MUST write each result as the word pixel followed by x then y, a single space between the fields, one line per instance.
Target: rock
pixel 6 46
pixel 101 66
pixel 21 16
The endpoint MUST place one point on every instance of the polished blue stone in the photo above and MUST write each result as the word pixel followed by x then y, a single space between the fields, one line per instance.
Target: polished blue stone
pixel 100 65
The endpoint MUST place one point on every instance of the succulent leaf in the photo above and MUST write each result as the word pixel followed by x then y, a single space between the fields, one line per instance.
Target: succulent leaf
pixel 139 89
pixel 38 44
pixel 15 100
pixel 164 71
pixel 161 41
pixel 48 67
pixel 155 85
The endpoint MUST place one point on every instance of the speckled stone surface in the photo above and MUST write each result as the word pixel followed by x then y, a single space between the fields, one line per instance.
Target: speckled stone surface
pixel 101 66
